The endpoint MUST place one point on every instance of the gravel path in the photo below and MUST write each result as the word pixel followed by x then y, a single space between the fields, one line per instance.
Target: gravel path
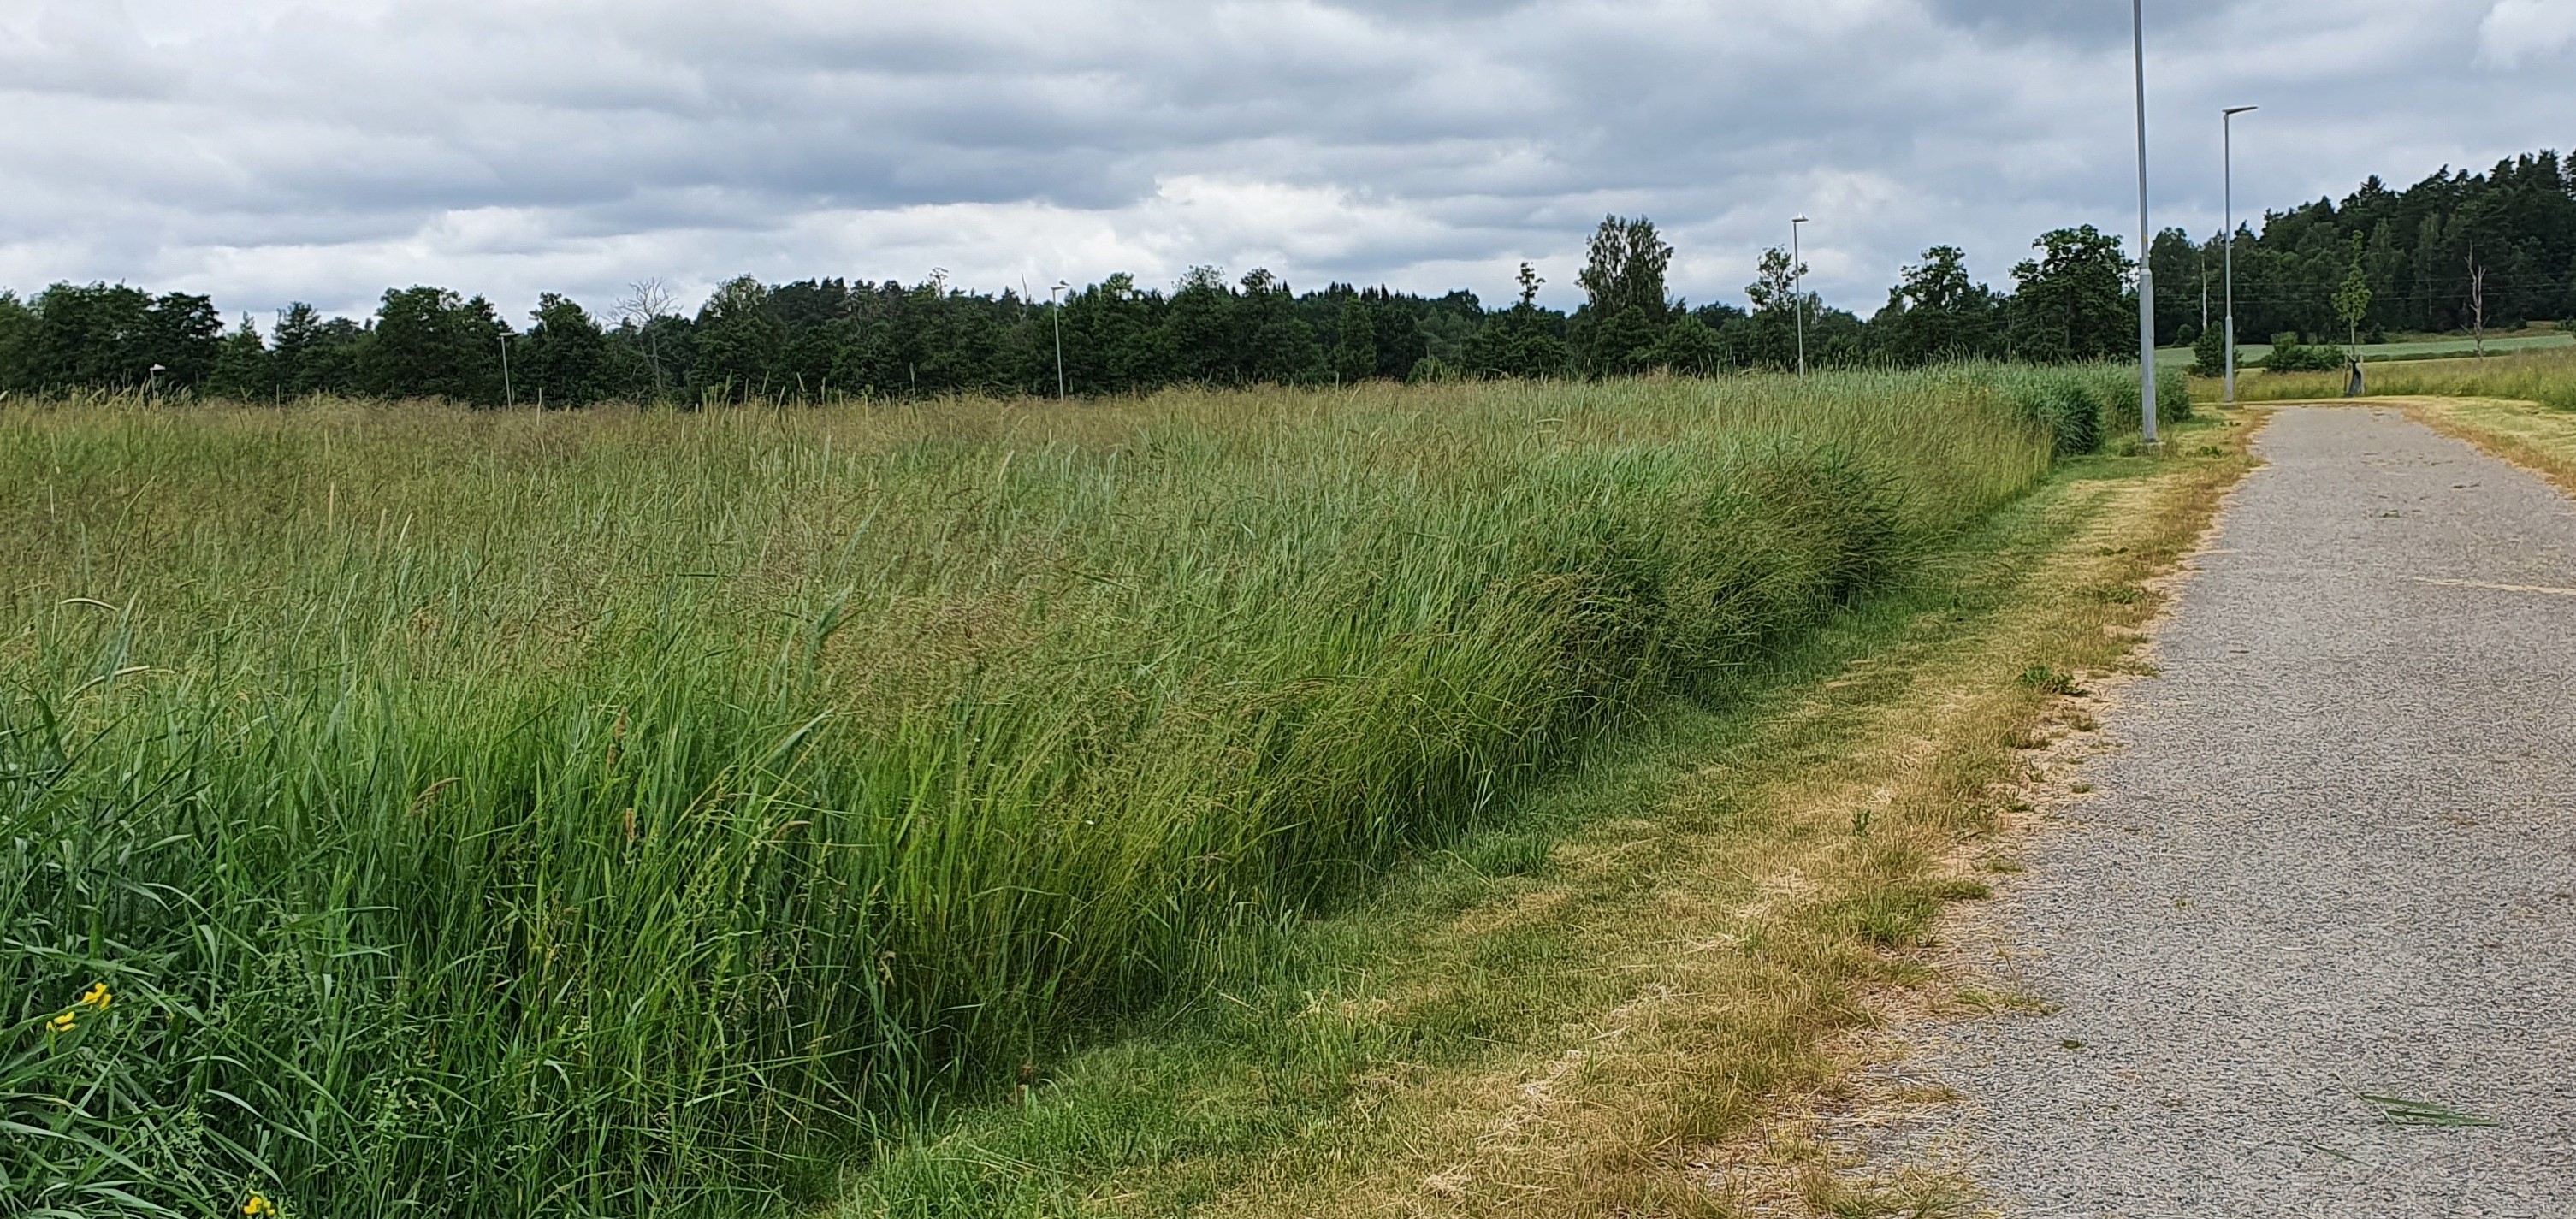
pixel 2334 858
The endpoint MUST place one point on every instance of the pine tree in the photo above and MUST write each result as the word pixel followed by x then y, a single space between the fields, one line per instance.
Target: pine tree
pixel 1355 345
pixel 244 370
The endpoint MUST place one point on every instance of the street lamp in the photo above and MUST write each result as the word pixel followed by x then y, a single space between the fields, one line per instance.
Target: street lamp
pixel 1798 278
pixel 2227 177
pixel 1058 312
pixel 2146 277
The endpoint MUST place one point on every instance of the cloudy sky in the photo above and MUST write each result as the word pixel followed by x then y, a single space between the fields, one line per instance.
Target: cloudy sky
pixel 270 150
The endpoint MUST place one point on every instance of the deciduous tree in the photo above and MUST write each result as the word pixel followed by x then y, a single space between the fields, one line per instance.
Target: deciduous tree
pixel 2073 302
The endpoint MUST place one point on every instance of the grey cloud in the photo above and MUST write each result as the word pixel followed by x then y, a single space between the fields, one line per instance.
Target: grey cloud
pixel 260 150
pixel 2100 23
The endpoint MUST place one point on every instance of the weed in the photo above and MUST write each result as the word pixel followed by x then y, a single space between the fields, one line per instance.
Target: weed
pixel 2049 680
pixel 2397 1111
pixel 1991 1002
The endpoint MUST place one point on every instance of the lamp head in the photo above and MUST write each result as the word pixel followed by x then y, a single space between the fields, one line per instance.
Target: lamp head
pixel 2233 111
pixel 1797 220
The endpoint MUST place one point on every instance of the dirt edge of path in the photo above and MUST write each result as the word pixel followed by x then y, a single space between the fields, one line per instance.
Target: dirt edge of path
pixel 1826 1152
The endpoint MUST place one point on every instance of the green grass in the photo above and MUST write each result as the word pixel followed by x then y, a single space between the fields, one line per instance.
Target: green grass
pixel 607 813
pixel 2434 347
pixel 2545 376
pixel 2399 1111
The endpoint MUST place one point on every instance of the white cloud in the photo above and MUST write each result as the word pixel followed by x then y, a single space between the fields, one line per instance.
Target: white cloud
pixel 2517 31
pixel 268 150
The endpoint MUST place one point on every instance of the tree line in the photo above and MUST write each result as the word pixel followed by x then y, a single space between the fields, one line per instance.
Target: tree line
pixel 824 337
pixel 2511 232
pixel 2445 254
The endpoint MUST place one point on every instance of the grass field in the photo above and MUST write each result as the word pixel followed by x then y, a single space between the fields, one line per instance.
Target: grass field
pixel 608 813
pixel 2435 347
pixel 2546 376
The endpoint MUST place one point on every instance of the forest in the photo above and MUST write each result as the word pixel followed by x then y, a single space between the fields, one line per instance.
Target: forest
pixel 2437 256
pixel 2453 251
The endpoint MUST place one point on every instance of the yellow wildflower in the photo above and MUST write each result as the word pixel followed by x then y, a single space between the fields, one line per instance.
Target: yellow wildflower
pixel 96 997
pixel 62 1023
pixel 259 1206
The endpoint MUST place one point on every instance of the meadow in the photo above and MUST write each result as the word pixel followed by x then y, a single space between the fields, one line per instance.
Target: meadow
pixel 2543 375
pixel 410 809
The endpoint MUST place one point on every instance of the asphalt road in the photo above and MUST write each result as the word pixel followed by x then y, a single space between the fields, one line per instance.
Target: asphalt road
pixel 2335 858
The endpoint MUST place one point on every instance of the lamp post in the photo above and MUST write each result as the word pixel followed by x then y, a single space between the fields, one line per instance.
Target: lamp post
pixel 508 398
pixel 2146 277
pixel 1058 312
pixel 2227 191
pixel 1798 278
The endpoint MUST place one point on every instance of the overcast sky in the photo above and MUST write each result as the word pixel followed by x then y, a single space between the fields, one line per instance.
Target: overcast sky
pixel 270 150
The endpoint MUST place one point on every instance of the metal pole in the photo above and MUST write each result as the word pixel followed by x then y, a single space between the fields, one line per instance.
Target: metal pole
pixel 1798 277
pixel 2146 277
pixel 507 397
pixel 2227 174
pixel 1058 311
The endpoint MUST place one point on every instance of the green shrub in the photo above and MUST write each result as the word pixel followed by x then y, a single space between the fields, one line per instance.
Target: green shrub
pixel 2209 352
pixel 2296 358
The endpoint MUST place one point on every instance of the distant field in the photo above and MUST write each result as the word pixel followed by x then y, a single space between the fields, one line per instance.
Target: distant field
pixel 2546 375
pixel 2412 349
pixel 606 812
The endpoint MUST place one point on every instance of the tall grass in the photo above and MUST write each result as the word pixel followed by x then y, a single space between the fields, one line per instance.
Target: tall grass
pixel 2084 406
pixel 2546 376
pixel 610 813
